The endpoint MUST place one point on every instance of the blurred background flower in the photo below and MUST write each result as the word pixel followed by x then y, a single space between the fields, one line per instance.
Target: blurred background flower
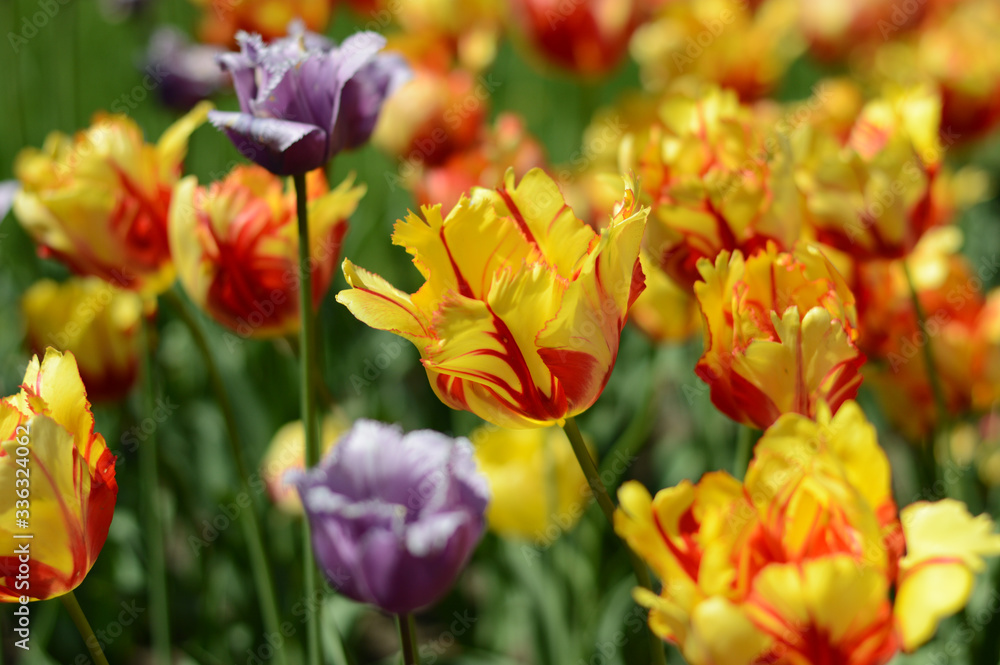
pixel 287 452
pixel 98 202
pixel 96 321
pixel 536 486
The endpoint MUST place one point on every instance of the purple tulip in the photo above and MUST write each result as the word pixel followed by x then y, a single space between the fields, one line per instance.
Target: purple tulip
pixel 187 73
pixel 394 517
pixel 303 100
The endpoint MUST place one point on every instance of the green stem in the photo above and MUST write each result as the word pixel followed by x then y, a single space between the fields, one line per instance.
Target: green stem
pixel 307 362
pixel 593 476
pixel 940 444
pixel 159 613
pixel 744 450
pixel 408 639
pixel 86 632
pixel 932 374
pixel 251 526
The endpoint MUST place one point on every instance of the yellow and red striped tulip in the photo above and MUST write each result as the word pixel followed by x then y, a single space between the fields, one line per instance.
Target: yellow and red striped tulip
pixel 537 489
pixel 521 313
pixel 713 182
pixel 98 201
pixel 780 334
pixel 807 561
pixel 70 475
pixel 96 321
pixel 665 311
pixel 235 244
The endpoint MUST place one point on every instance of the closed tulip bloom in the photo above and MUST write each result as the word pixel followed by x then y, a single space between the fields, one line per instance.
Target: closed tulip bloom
pixel 96 321
pixel 521 313
pixel 69 477
pixel 537 489
pixel 303 100
pixel 236 246
pixel 588 37
pixel 394 517
pixel 98 201
pixel 807 562
pixel 780 334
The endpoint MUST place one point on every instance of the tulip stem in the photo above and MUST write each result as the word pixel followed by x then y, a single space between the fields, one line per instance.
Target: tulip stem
pixel 589 467
pixel 72 606
pixel 251 526
pixel 307 362
pixel 159 613
pixel 408 638
pixel 932 375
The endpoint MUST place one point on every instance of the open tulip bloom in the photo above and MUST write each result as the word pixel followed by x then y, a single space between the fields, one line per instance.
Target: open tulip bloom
pixel 520 327
pixel 303 100
pixel 394 517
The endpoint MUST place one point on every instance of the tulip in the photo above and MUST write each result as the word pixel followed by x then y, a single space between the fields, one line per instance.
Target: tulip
pixel 236 246
pixel 303 100
pixel 394 517
pixel 186 73
pixel 807 561
pixel 536 486
pixel 587 37
pixel 287 451
pixel 222 20
pixel 96 321
pixel 744 46
pixel 69 475
pixel 780 334
pixel 665 311
pixel 522 325
pixel 98 202
pixel 712 182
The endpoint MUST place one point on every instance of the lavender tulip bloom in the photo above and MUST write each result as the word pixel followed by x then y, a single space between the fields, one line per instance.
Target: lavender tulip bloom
pixel 303 100
pixel 394 518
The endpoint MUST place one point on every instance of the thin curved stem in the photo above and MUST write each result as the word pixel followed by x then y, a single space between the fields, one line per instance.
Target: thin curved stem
pixel 744 450
pixel 159 611
pixel 72 606
pixel 251 526
pixel 307 363
pixel 589 467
